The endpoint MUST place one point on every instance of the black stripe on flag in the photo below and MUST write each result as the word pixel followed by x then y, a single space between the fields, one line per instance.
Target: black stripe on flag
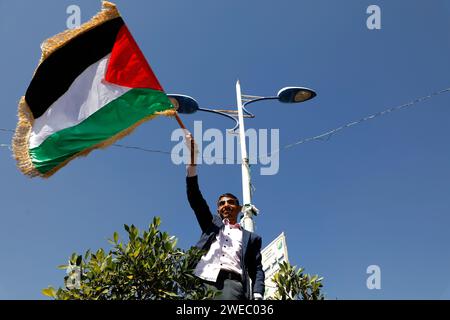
pixel 56 73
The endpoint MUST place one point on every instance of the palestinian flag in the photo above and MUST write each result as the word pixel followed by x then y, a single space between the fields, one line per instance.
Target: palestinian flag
pixel 93 86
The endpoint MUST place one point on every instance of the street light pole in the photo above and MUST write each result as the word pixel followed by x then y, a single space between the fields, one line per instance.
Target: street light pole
pixel 247 221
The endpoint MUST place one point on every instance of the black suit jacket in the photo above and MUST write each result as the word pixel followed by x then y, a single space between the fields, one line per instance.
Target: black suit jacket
pixel 211 226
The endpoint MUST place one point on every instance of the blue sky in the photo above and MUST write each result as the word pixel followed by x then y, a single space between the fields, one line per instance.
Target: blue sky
pixel 374 194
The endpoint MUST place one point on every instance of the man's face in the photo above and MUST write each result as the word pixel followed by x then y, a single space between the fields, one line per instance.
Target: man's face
pixel 229 208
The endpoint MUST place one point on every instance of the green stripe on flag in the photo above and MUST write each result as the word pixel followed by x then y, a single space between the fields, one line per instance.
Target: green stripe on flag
pixel 107 122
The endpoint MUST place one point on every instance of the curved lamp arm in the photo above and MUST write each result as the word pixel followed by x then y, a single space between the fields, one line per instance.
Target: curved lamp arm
pixel 222 114
pixel 255 100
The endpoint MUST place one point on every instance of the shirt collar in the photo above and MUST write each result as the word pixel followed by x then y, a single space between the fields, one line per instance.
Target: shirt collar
pixel 232 226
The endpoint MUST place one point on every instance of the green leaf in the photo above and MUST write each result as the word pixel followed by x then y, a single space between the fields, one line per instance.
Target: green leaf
pixel 170 294
pixel 156 221
pixel 49 292
pixel 116 237
pixel 86 255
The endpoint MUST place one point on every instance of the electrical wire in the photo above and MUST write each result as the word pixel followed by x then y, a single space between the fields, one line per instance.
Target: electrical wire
pixel 141 149
pixel 328 134
pixel 2 145
pixel 323 136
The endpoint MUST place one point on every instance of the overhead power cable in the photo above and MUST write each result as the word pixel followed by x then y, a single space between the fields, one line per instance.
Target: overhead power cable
pixel 321 137
pixel 328 134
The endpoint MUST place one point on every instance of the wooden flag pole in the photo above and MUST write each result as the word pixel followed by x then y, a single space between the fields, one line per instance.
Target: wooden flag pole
pixel 181 124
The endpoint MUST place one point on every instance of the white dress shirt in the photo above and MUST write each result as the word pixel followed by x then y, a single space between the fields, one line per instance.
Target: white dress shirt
pixel 225 253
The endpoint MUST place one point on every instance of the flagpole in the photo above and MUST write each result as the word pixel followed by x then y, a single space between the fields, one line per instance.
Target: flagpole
pixel 181 124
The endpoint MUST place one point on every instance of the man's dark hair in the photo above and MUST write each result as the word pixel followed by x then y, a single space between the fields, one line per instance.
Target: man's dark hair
pixel 229 195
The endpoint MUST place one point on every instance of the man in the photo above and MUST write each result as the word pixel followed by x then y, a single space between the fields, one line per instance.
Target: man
pixel 233 254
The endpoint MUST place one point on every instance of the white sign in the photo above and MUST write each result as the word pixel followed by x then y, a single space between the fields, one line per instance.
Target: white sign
pixel 272 255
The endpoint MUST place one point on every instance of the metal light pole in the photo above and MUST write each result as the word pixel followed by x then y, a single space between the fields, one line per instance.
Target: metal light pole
pixel 247 208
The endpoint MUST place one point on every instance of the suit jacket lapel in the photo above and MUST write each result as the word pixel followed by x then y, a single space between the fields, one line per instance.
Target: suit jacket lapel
pixel 245 240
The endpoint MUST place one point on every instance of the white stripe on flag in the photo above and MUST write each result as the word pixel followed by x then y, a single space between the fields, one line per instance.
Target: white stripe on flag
pixel 87 94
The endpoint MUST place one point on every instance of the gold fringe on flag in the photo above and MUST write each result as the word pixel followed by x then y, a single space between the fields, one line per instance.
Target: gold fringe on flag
pixel 20 142
pixel 20 145
pixel 21 138
pixel 108 12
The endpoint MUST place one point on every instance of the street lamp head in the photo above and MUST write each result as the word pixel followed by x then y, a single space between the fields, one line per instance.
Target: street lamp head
pixel 183 104
pixel 295 94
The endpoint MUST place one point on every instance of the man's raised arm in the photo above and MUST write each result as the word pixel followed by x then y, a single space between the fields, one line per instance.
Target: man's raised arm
pixel 195 198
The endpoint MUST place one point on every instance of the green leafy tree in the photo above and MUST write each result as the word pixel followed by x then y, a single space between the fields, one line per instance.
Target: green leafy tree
pixel 148 267
pixel 293 284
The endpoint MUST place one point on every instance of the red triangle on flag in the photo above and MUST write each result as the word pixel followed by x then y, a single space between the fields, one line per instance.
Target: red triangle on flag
pixel 127 65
